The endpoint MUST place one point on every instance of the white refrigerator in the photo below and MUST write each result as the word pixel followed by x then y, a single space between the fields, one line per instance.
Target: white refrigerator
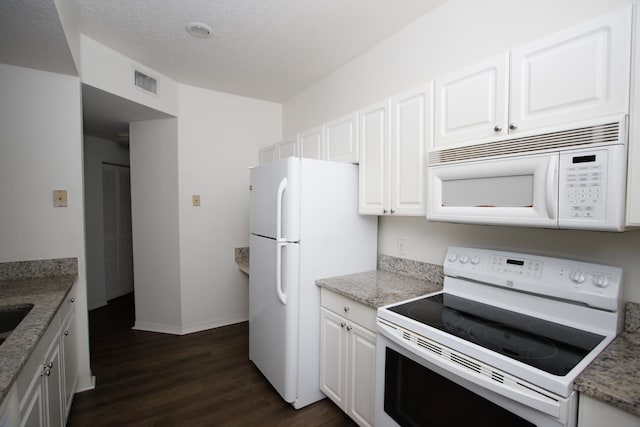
pixel 304 226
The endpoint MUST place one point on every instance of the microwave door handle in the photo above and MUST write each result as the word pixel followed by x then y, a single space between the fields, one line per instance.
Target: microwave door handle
pixel 552 187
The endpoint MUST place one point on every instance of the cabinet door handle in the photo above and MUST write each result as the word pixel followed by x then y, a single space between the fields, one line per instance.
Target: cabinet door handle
pixel 66 333
pixel 342 324
pixel 513 126
pixel 384 211
pixel 49 365
pixel 349 328
pixel 346 308
pixel 47 372
pixel 72 300
pixel 497 128
pixel 393 211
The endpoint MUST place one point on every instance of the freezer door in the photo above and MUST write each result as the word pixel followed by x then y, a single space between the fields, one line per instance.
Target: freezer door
pixel 273 313
pixel 275 199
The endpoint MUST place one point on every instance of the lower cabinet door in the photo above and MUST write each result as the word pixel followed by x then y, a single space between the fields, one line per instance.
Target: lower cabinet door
pixel 54 393
pixel 362 372
pixel 70 361
pixel 32 410
pixel 333 357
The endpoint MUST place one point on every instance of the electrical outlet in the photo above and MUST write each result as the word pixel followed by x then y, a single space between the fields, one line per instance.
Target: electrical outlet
pixel 59 198
pixel 402 246
pixel 196 199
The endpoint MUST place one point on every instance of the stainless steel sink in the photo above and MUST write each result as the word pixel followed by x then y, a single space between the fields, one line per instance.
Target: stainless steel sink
pixel 10 318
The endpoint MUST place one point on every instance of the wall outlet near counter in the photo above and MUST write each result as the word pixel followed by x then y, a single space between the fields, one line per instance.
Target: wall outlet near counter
pixel 402 246
pixel 59 198
pixel 196 199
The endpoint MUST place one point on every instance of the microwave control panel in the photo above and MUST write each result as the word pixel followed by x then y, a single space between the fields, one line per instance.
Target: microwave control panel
pixel 592 188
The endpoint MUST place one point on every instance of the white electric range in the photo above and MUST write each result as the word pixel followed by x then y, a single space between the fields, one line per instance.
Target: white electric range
pixel 502 344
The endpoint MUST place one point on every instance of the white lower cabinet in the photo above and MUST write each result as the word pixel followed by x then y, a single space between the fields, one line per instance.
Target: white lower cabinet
pixel 594 413
pixel 347 356
pixel 46 384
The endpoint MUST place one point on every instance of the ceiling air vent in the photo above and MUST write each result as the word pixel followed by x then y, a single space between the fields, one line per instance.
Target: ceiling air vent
pixel 145 82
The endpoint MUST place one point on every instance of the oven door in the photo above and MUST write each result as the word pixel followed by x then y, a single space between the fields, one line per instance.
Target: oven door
pixel 412 390
pixel 519 191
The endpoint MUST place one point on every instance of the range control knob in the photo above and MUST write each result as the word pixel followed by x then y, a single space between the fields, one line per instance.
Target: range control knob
pixel 600 280
pixel 452 257
pixel 577 276
pixel 464 259
pixel 475 260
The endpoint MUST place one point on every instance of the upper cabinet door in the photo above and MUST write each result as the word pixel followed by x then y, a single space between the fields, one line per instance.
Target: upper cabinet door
pixel 268 154
pixel 412 133
pixel 576 74
pixel 288 148
pixel 312 144
pixel 472 103
pixel 341 139
pixel 374 159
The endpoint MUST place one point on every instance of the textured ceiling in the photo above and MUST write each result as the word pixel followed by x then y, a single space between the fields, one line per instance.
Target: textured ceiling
pixel 31 36
pixel 266 49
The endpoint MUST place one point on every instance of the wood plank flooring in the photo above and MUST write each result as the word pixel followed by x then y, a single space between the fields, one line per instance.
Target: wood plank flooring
pixel 202 379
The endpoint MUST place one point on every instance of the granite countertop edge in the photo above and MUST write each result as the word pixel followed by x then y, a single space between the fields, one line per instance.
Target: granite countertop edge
pixel 378 288
pixel 47 295
pixel 614 376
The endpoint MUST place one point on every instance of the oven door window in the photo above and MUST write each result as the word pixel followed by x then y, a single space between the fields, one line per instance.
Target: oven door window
pixel 417 396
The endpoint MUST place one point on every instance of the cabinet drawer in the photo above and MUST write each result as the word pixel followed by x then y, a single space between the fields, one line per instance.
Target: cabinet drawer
pixel 349 309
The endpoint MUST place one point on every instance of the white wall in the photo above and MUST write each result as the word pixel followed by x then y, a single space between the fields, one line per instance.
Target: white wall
pixel 96 151
pixel 219 135
pixel 41 151
pixel 455 35
pixel 153 153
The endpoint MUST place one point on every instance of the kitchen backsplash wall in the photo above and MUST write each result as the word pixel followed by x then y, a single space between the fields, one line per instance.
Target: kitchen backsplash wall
pixel 420 270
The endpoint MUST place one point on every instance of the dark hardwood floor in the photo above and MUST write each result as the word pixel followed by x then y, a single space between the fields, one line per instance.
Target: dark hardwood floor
pixel 201 379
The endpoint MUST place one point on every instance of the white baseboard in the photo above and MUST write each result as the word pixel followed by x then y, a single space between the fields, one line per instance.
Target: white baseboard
pixel 187 329
pixel 157 327
pixel 86 383
pixel 96 304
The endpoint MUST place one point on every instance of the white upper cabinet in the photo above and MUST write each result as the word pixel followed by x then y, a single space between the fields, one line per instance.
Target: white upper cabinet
pixel 375 133
pixel 412 132
pixel 268 154
pixel 312 144
pixel 576 74
pixel 394 136
pixel 288 148
pixel 341 139
pixel 472 103
pixel 580 73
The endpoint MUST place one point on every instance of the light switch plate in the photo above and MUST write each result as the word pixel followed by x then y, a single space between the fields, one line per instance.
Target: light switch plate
pixel 59 198
pixel 196 199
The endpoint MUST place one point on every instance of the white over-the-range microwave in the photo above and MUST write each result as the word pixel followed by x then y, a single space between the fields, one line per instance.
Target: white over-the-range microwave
pixel 571 177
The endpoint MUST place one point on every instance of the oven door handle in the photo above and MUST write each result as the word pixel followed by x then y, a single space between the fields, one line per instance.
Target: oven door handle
pixel 531 398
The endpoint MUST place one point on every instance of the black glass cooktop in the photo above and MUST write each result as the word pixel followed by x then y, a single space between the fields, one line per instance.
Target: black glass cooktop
pixel 549 346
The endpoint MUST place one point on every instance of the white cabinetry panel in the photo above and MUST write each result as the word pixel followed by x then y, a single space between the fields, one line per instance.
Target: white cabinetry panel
pixel 312 144
pixel 573 75
pixel 288 149
pixel 472 103
pixel 341 139
pixel 374 157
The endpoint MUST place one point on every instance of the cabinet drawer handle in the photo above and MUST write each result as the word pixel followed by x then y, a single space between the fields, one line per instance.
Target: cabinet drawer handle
pixel 513 126
pixel 384 211
pixel 393 211
pixel 497 128
pixel 346 308
pixel 47 372
pixel 342 324
pixel 72 300
pixel 66 333
pixel 49 365
pixel 349 328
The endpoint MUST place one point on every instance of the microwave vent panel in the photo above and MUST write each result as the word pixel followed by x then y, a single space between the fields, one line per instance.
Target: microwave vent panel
pixel 601 134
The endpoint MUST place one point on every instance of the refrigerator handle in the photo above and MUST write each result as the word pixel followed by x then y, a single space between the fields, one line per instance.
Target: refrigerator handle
pixel 280 242
pixel 279 292
pixel 281 188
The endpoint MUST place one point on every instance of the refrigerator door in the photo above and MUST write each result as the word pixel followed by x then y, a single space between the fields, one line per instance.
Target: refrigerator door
pixel 273 313
pixel 275 200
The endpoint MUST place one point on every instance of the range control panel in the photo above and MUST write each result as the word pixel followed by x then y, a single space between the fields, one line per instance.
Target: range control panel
pixel 593 284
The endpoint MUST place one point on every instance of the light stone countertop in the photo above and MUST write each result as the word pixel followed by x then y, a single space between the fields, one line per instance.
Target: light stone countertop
pixel 46 294
pixel 614 377
pixel 377 288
